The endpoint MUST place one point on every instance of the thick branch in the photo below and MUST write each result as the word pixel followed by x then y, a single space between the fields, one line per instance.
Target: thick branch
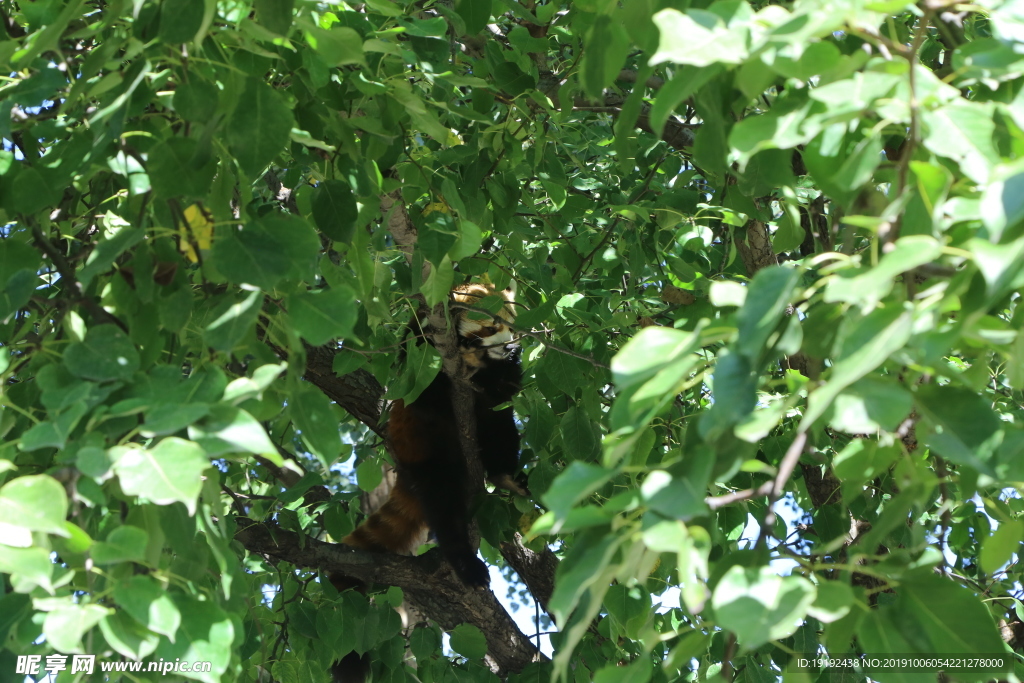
pixel 358 392
pixel 537 570
pixel 444 337
pixel 425 580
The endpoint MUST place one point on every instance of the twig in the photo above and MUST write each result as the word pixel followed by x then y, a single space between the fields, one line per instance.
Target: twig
pixel 67 274
pixel 716 502
pixel 888 236
pixel 730 649
pixel 786 467
pixel 530 333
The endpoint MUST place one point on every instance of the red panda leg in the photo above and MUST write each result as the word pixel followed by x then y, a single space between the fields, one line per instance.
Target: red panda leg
pixel 426 444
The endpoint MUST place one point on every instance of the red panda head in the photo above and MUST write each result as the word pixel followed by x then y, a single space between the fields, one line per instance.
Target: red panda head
pixel 485 338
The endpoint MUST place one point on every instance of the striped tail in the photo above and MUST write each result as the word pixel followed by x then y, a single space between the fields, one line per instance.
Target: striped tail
pixel 397 527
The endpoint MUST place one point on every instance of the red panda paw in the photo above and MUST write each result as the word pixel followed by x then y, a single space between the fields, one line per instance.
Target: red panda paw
pixel 505 482
pixel 472 571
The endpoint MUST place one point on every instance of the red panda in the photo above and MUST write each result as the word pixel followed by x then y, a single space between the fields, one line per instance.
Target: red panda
pixel 429 492
pixel 424 438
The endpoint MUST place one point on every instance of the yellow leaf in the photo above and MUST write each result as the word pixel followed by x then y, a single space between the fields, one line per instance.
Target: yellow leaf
pixel 440 207
pixel 199 232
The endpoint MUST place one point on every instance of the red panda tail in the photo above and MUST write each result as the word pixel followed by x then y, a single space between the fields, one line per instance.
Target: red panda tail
pixel 397 527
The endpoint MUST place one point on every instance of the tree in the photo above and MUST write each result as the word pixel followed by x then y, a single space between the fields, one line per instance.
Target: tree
pixel 768 254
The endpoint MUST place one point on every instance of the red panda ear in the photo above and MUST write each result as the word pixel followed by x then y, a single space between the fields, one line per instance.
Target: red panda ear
pixel 511 289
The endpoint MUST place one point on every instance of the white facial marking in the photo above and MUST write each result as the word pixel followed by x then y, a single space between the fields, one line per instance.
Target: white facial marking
pixel 497 343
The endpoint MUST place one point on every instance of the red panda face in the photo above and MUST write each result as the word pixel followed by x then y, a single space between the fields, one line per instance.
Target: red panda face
pixel 485 338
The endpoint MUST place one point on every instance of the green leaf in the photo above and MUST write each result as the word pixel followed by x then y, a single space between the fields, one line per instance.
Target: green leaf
pixel 669 355
pixel 576 482
pixel 623 606
pixel 422 364
pixel 175 168
pixel 30 565
pixel 637 671
pixel 337 46
pixel 65 626
pixel 698 37
pixel 347 361
pixel 230 429
pixel 35 503
pixel 118 238
pixel 169 472
pixel 999 264
pixel 513 80
pixel 680 88
pixel 181 20
pixel 259 128
pixel 997 549
pixel 334 210
pixel 439 282
pixel 605 50
pixel 172 417
pixel 934 603
pixel 469 641
pixel 651 350
pixel 205 635
pixel 870 285
pixel 106 353
pixel 869 344
pixel 963 131
pixel 833 601
pixel 870 405
pixel 437 236
pixel 768 295
pixel 275 15
pixel 53 434
pixel 578 434
pixel 964 428
pixel 317 424
pixel 265 251
pixel 196 99
pixel 476 14
pixel 783 128
pixel 369 475
pixel 232 321
pixel 735 386
pixel 758 605
pixel 1002 202
pixel 672 496
pixel 124 544
pixel 325 314
pixel 15 257
pixel 552 177
pixel 127 637
pixel 33 189
pixel 468 241
pixel 148 603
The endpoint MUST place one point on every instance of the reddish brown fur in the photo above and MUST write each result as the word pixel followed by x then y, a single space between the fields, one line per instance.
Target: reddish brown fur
pixel 429 489
pixel 399 526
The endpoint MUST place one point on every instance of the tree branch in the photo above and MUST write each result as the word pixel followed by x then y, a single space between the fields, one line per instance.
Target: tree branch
pixel 67 275
pixel 426 582
pixel 537 570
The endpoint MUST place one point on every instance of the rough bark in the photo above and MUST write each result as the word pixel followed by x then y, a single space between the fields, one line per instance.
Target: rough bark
pixel 426 581
pixel 537 570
